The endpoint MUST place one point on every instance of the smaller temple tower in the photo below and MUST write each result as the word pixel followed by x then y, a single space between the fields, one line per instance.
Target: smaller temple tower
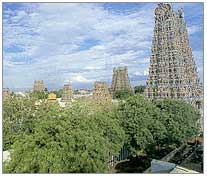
pixel 67 93
pixel 120 80
pixel 39 85
pixel 6 93
pixel 101 92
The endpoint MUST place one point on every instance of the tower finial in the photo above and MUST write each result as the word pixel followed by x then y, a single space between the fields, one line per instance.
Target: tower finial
pixel 181 12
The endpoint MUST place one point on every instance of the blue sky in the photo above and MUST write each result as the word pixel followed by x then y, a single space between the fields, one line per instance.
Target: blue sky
pixel 81 43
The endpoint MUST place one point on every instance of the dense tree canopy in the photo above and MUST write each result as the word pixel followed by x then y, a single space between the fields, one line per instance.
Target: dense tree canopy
pixel 139 89
pixel 17 119
pixel 150 125
pixel 122 94
pixel 180 119
pixel 76 92
pixel 140 121
pixel 58 93
pixel 83 136
pixel 75 139
pixel 39 94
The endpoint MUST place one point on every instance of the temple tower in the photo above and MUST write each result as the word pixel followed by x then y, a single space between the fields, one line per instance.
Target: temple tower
pixel 101 92
pixel 172 72
pixel 120 80
pixel 67 93
pixel 6 93
pixel 39 85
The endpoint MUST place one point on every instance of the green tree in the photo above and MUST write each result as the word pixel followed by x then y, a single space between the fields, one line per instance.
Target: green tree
pixel 140 120
pixel 150 127
pixel 180 119
pixel 39 94
pixel 122 94
pixel 139 89
pixel 58 93
pixel 17 119
pixel 75 139
pixel 76 92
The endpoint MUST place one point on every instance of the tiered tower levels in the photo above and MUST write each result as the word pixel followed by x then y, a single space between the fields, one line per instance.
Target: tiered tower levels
pixel 172 72
pixel 67 93
pixel 39 85
pixel 120 80
pixel 101 92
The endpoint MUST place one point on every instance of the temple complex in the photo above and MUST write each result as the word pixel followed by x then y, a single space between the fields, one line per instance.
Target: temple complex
pixel 39 85
pixel 120 80
pixel 67 93
pixel 172 72
pixel 101 92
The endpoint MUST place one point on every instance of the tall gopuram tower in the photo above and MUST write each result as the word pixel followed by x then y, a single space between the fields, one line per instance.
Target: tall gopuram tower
pixel 67 93
pixel 101 92
pixel 172 72
pixel 39 85
pixel 120 80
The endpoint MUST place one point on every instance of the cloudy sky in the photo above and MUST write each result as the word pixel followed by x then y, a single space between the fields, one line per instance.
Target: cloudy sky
pixel 81 43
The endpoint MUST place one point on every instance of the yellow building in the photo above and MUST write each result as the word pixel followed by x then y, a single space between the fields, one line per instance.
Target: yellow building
pixel 52 98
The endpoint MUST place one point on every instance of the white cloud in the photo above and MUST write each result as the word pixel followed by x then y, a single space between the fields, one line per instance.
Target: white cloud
pixel 146 72
pixel 198 56
pixel 20 15
pixel 142 72
pixel 79 78
pixel 137 73
pixel 51 36
pixel 193 29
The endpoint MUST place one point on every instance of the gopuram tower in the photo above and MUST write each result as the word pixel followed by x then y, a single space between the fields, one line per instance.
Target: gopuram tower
pixel 120 80
pixel 67 93
pixel 101 92
pixel 172 72
pixel 39 85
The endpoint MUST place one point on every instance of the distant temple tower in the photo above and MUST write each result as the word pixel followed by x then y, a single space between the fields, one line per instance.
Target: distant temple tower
pixel 120 80
pixel 172 72
pixel 39 85
pixel 67 93
pixel 101 92
pixel 6 93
